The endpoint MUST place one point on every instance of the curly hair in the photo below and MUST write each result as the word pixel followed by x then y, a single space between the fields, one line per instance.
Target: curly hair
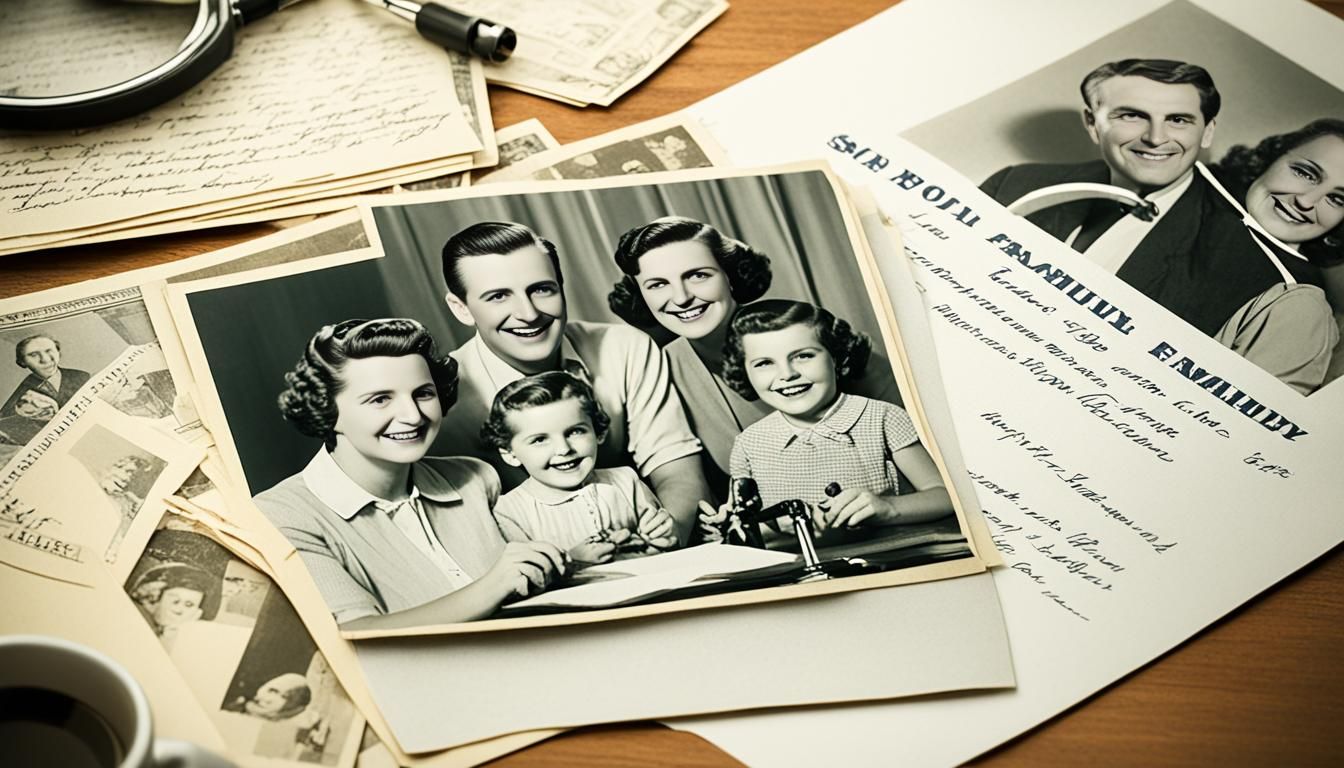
pixel 1243 164
pixel 491 237
pixel 1160 71
pixel 533 391
pixel 850 349
pixel 747 269
pixel 309 400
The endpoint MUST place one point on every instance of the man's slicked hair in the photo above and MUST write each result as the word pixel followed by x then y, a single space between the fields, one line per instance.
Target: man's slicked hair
pixel 491 237
pixel 1161 71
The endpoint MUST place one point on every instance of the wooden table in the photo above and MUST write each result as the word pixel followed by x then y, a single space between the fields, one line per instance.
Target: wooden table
pixel 1260 687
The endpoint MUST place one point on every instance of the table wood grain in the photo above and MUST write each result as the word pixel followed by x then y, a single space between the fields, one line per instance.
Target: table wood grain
pixel 1259 687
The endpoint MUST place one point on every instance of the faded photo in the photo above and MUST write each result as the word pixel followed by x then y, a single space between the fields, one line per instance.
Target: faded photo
pixel 618 381
pixel 242 649
pixel 1191 161
pixel 56 350
pixel 124 473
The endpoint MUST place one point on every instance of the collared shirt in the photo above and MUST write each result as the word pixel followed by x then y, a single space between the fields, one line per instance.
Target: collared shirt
pixel 366 561
pixel 1113 247
pixel 629 376
pixel 611 499
pixel 852 445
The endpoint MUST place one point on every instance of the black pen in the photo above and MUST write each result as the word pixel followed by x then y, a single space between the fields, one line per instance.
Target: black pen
pixel 456 31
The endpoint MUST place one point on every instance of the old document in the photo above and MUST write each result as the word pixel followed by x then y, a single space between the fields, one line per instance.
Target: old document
pixel 291 107
pixel 1141 480
pixel 591 53
pixel 96 491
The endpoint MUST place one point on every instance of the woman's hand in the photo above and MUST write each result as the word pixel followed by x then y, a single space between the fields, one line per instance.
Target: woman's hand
pixel 852 508
pixel 524 567
pixel 657 528
pixel 712 519
pixel 591 552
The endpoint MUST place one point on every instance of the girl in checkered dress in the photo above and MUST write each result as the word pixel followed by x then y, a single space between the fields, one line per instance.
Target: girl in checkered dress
pixel 798 358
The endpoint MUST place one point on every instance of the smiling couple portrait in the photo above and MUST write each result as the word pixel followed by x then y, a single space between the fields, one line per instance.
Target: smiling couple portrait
pixel 1207 173
pixel 574 380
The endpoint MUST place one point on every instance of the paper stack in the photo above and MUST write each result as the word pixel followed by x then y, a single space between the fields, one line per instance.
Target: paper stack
pixel 291 120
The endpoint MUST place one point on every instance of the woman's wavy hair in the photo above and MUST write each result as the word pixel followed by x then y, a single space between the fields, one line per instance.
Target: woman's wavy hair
pixel 309 400
pixel 1243 164
pixel 747 269
pixel 537 390
pixel 850 349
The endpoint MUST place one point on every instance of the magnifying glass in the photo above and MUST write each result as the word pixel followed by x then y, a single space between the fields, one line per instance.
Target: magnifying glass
pixel 78 63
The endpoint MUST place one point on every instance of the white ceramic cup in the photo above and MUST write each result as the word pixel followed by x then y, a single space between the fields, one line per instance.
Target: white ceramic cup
pixel 104 686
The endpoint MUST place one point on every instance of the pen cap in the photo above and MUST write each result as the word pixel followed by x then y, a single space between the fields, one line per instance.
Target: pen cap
pixel 459 32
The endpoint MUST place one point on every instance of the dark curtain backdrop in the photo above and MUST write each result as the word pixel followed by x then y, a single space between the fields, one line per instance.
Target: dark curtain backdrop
pixel 253 333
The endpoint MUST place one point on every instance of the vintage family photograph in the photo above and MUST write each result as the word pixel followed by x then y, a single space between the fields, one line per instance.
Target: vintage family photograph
pixel 1193 162
pixel 578 390
pixel 242 649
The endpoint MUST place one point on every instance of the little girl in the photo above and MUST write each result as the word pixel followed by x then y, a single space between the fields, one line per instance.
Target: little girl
pixel 551 425
pixel 797 358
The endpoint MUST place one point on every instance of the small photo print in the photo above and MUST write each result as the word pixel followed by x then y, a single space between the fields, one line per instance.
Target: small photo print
pixel 242 649
pixel 124 472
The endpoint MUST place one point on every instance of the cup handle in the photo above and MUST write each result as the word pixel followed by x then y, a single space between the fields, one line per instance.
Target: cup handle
pixel 171 753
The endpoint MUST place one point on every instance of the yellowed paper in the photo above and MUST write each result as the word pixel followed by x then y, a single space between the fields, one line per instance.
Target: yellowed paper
pixel 291 106
pixel 92 497
pixel 243 651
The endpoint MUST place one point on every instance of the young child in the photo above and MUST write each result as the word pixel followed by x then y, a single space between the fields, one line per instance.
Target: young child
pixel 551 425
pixel 797 359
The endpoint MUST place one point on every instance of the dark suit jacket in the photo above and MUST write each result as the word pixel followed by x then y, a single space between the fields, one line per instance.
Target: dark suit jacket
pixel 1199 261
pixel 71 380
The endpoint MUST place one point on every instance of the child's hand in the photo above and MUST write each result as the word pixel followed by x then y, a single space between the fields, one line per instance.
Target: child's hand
pixel 711 519
pixel 656 527
pixel 591 552
pixel 852 508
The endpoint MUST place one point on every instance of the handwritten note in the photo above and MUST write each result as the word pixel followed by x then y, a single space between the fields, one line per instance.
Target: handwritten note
pixel 324 90
pixel 57 47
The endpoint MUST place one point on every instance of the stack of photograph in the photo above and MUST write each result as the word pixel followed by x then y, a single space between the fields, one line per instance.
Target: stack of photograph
pixel 474 445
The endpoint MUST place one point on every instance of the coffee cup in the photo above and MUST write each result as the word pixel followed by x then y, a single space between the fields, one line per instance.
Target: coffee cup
pixel 65 704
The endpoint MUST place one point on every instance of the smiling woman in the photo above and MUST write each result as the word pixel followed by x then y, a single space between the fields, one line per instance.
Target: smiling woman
pixel 392 537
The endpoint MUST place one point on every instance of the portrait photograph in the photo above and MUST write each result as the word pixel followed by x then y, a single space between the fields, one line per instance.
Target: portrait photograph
pixel 1216 168
pixel 578 401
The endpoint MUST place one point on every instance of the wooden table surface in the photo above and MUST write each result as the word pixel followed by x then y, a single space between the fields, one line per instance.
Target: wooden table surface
pixel 1259 687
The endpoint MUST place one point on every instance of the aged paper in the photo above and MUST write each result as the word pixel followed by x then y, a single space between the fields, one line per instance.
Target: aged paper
pixel 316 113
pixel 94 495
pixel 670 143
pixel 591 53
pixel 1126 462
pixel 236 640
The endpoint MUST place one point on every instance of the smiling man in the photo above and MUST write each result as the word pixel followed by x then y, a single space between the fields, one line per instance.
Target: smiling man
pixel 506 282
pixel 1188 249
pixel 41 355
